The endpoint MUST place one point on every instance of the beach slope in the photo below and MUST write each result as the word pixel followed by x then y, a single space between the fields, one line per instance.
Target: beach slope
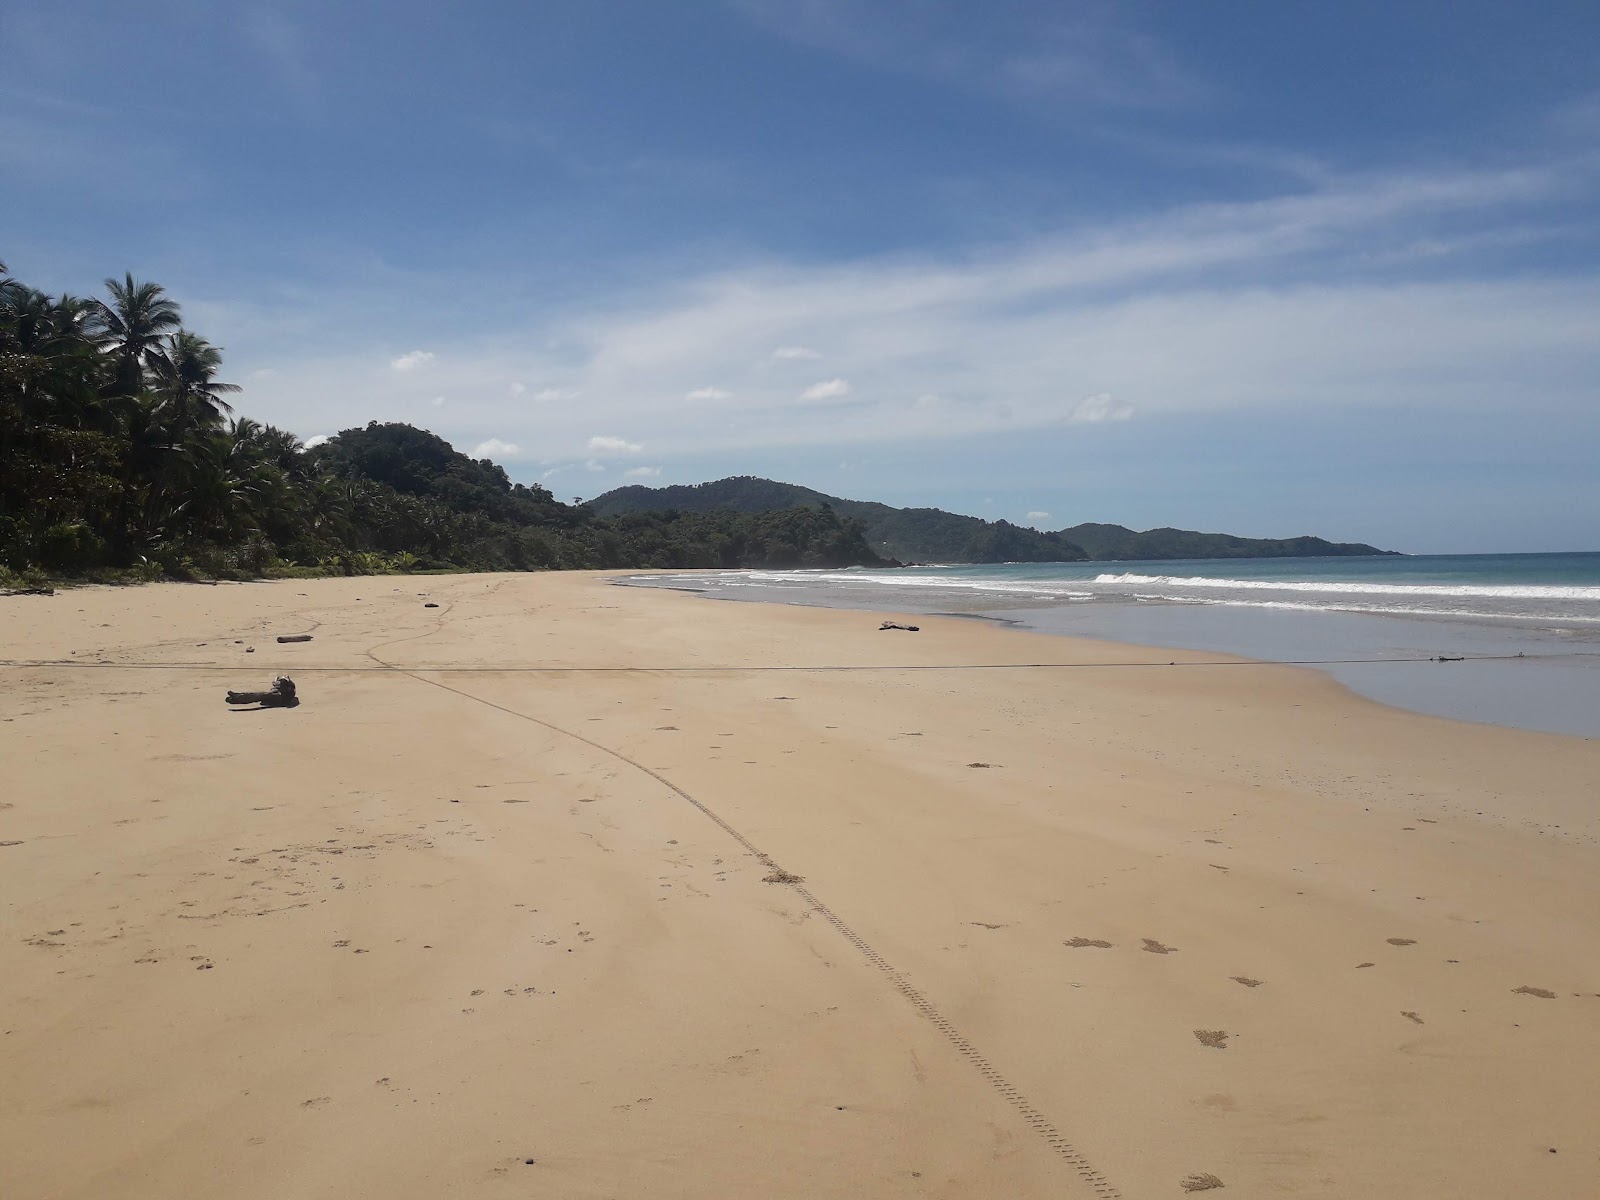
pixel 561 889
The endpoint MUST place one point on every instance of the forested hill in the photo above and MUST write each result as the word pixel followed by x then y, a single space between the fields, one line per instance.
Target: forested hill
pixel 1116 542
pixel 932 535
pixel 913 534
pixel 119 460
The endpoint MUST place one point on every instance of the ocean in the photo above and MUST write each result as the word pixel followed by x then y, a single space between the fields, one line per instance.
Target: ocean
pixel 1526 626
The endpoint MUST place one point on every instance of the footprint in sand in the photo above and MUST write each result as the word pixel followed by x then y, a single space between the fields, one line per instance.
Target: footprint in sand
pixel 1246 981
pixel 1079 943
pixel 1217 1039
pixel 1412 1017
pixel 1542 993
pixel 1201 1183
pixel 1401 941
pixel 1151 946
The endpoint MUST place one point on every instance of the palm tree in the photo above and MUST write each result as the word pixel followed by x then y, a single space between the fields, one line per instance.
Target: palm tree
pixel 131 328
pixel 184 370
pixel 224 482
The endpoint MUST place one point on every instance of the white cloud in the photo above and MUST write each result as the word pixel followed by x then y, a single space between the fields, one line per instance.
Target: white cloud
pixel 828 389
pixel 594 465
pixel 1034 517
pixel 641 472
pixel 792 352
pixel 1300 303
pixel 517 387
pixel 708 393
pixel 495 448
pixel 438 401
pixel 263 373
pixel 413 359
pixel 315 440
pixel 1099 407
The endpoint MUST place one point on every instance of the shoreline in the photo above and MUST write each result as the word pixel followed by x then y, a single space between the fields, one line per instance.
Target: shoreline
pixel 1491 686
pixel 505 899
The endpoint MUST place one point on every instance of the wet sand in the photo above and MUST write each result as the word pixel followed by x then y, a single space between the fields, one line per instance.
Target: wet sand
pixel 1097 931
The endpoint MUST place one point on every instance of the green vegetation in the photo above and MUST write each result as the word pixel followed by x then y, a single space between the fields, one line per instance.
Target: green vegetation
pixel 118 460
pixel 932 535
pixel 915 534
pixel 1115 542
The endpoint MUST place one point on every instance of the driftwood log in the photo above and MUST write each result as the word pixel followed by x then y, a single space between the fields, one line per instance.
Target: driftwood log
pixel 892 625
pixel 280 695
pixel 295 637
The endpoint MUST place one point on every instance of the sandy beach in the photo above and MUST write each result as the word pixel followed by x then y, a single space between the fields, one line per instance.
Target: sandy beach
pixel 559 889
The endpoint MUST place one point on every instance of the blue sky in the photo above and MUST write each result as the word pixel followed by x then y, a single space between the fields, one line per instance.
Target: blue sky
pixel 1265 268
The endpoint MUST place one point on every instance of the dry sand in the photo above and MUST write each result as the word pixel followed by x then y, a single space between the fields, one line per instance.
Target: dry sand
pixel 1084 932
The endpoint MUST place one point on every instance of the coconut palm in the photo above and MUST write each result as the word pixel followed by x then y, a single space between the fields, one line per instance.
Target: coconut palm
pixel 183 370
pixel 132 327
pixel 223 482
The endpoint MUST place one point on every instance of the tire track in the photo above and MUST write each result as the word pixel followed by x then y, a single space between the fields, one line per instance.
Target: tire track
pixel 1030 1114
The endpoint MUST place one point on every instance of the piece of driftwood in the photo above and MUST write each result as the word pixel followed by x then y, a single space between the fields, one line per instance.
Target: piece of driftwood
pixel 430 604
pixel 892 625
pixel 32 591
pixel 280 695
pixel 295 637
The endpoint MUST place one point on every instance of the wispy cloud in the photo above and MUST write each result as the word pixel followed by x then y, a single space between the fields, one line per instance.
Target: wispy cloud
pixel 641 472
pixel 708 393
pixel 1092 410
pixel 1035 517
pixel 283 48
pixel 1086 53
pixel 1312 299
pixel 789 353
pixel 828 389
pixel 412 360
pixel 496 449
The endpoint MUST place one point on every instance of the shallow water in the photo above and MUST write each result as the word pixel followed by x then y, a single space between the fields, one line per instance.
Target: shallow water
pixel 1386 613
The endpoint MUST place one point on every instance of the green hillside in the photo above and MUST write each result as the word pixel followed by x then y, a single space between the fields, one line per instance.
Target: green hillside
pixel 1115 542
pixel 909 534
pixel 932 535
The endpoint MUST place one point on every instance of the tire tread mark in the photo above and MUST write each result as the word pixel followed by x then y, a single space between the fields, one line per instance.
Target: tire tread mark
pixel 1019 1102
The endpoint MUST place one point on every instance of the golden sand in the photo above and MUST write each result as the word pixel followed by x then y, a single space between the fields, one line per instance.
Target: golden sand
pixel 1102 930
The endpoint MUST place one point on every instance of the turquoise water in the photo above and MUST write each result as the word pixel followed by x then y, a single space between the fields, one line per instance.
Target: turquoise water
pixel 1527 625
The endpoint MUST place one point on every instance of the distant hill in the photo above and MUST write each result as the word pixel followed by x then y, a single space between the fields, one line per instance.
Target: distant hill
pixel 933 535
pixel 1115 542
pixel 911 534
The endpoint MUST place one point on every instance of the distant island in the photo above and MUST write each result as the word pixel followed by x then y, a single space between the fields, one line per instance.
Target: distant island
pixel 933 535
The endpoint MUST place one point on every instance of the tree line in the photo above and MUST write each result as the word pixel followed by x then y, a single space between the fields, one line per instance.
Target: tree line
pixel 121 458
